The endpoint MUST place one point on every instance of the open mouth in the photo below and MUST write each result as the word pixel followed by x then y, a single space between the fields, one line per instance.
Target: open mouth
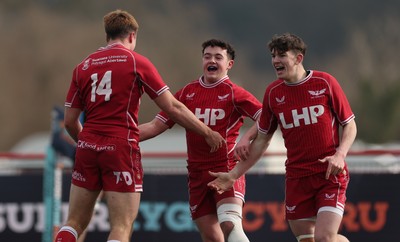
pixel 279 68
pixel 212 68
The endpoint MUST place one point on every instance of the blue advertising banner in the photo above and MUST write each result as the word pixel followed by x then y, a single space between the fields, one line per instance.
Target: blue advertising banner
pixel 372 209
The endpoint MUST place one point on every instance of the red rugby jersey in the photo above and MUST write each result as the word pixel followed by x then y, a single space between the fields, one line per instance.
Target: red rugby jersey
pixel 309 114
pixel 221 106
pixel 108 85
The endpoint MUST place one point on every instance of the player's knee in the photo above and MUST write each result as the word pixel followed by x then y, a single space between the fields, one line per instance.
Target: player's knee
pixel 230 219
pixel 227 227
pixel 305 238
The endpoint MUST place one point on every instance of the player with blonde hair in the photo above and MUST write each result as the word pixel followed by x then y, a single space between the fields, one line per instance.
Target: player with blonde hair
pixel 107 85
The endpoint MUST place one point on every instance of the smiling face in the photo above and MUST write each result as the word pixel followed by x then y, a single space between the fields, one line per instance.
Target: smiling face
pixel 216 63
pixel 288 65
pixel 288 51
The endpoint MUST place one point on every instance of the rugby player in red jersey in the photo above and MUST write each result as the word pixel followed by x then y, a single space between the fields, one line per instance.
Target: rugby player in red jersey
pixel 309 107
pixel 222 105
pixel 107 85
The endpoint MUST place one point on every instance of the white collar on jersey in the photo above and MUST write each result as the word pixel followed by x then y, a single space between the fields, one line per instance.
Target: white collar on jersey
pixel 209 85
pixel 111 46
pixel 308 76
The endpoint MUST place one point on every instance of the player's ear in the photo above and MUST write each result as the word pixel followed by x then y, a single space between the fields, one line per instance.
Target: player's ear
pixel 132 37
pixel 230 64
pixel 299 58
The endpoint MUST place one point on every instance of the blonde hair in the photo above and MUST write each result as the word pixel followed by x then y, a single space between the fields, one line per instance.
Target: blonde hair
pixel 119 24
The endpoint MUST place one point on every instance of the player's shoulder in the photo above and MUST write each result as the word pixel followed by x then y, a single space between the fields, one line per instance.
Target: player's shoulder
pixel 139 56
pixel 143 63
pixel 237 89
pixel 322 75
pixel 194 84
pixel 188 89
pixel 276 83
pixel 232 85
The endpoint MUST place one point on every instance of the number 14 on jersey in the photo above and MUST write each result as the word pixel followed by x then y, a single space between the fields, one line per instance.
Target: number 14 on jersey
pixel 104 87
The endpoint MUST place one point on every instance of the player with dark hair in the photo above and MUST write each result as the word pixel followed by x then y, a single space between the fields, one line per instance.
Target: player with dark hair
pixel 309 107
pixel 107 85
pixel 222 105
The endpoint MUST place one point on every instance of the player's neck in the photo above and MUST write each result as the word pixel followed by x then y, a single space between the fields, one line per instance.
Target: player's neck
pixel 299 76
pixel 116 42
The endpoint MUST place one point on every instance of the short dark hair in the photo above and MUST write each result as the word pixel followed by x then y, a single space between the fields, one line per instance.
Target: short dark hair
pixel 119 24
pixel 219 43
pixel 287 42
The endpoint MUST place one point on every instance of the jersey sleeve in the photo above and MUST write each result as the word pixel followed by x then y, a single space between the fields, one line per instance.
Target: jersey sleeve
pixel 267 123
pixel 73 99
pixel 340 104
pixel 163 117
pixel 152 82
pixel 247 104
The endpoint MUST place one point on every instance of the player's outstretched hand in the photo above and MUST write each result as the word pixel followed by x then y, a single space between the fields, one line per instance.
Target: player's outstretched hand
pixel 215 141
pixel 222 183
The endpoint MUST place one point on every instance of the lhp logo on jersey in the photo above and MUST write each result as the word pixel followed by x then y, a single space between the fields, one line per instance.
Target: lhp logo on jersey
pixel 309 115
pixel 210 115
